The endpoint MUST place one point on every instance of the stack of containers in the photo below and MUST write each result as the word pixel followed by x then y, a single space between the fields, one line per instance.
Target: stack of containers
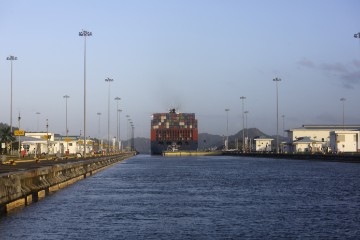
pixel 168 125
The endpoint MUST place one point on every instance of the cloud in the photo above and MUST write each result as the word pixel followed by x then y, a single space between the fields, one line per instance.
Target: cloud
pixel 351 79
pixel 356 63
pixel 327 118
pixel 306 63
pixel 348 74
pixel 333 67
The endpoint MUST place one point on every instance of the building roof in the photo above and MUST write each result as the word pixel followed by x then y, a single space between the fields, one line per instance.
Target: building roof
pixel 29 140
pixel 305 140
pixel 263 138
pixel 326 127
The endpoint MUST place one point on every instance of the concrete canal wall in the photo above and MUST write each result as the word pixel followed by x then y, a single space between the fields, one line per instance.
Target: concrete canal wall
pixel 349 158
pixel 24 187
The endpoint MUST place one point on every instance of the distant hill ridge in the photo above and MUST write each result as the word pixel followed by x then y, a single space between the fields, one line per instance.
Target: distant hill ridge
pixel 207 140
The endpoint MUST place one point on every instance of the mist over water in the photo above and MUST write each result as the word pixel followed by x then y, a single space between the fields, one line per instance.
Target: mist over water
pixel 150 197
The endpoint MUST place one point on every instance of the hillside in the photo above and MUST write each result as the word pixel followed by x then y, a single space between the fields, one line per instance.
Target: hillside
pixel 142 145
pixel 208 141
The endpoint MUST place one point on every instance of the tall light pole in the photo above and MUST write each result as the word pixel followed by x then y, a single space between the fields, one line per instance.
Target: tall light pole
pixel 117 99
pixel 85 34
pixel 19 118
pixel 99 114
pixel 37 129
pixel 47 138
pixel 127 129
pixel 120 144
pixel 243 117
pixel 283 117
pixel 131 136
pixel 66 126
pixel 276 80
pixel 343 112
pixel 11 59
pixel 246 129
pixel 109 80
pixel 129 132
pixel 227 128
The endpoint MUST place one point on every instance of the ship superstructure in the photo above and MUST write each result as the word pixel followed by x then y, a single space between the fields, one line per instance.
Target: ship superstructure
pixel 173 131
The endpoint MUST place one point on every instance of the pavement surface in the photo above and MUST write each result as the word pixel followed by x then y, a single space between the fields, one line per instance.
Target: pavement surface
pixel 24 164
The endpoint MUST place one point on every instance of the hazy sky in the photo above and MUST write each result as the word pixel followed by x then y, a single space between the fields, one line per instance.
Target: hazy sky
pixel 196 55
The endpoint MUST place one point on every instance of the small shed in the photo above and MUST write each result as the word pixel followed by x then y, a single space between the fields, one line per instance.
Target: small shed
pixel 344 141
pixel 263 144
pixel 306 144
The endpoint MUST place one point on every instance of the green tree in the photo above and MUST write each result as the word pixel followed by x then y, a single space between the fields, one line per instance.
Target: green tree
pixel 6 137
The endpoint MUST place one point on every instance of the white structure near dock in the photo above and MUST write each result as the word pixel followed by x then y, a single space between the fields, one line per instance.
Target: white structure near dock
pixel 344 141
pixel 263 144
pixel 305 144
pixel 50 143
pixel 324 138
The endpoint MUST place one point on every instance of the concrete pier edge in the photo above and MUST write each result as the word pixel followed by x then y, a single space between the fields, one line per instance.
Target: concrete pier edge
pixel 19 189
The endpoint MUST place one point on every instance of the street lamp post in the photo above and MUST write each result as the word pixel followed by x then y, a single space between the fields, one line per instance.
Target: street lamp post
pixel 99 114
pixel 243 117
pixel 47 138
pixel 37 129
pixel 117 99
pixel 120 144
pixel 127 129
pixel 11 59
pixel 129 132
pixel 276 80
pixel 283 117
pixel 133 137
pixel 109 80
pixel 66 126
pixel 343 112
pixel 19 118
pixel 85 34
pixel 246 129
pixel 227 128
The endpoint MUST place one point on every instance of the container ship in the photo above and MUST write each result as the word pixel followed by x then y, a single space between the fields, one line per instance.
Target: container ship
pixel 173 132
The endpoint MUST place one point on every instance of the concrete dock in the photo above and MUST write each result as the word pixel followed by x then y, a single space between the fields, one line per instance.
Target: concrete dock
pixel 191 153
pixel 24 182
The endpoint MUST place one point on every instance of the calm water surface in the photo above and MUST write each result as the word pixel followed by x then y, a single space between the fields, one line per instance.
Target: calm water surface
pixel 200 198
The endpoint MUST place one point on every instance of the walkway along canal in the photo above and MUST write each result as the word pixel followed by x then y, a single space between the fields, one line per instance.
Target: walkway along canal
pixel 21 187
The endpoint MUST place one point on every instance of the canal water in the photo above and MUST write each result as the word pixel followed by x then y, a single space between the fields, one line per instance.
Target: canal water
pixel 148 197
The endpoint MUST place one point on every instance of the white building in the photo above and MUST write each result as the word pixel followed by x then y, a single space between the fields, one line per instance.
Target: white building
pixel 305 144
pixel 344 141
pixel 263 144
pixel 39 143
pixel 317 135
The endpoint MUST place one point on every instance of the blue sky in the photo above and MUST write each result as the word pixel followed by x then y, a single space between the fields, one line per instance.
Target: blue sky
pixel 198 56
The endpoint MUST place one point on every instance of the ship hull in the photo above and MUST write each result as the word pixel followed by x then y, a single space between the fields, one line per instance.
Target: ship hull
pixel 157 148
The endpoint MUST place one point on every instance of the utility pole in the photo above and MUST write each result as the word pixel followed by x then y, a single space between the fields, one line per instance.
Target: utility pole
pixel 276 80
pixel 243 122
pixel 85 34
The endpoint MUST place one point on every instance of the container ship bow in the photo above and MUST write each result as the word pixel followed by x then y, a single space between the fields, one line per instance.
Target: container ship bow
pixel 173 131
